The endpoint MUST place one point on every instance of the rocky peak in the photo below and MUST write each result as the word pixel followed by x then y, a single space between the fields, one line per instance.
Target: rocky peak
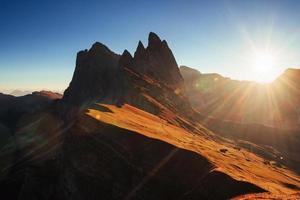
pixel 99 73
pixel 157 61
pixel 126 59
pixel 153 40
pixel 99 50
pixel 140 50
pixel 140 47
pixel 94 75
pixel 126 54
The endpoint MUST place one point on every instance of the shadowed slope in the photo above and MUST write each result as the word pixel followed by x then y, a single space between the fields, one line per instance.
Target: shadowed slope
pixel 108 150
pixel 115 153
pixel 127 165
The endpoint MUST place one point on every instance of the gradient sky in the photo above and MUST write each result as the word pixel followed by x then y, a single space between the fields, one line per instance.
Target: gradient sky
pixel 39 39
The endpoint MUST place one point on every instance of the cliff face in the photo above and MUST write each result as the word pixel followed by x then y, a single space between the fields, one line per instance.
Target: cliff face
pixel 95 75
pixel 152 81
pixel 157 61
pixel 99 72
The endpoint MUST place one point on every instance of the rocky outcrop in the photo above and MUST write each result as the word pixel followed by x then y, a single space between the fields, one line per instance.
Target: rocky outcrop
pixel 95 75
pixel 157 61
pixel 103 76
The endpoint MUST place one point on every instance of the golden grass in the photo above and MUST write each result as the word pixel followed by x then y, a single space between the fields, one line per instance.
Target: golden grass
pixel 238 163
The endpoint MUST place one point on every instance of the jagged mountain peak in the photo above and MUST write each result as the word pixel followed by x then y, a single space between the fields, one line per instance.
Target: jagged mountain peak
pixel 153 40
pixel 98 46
pixel 157 61
pixel 140 46
pixel 126 53
pixel 140 50
pixel 100 74
pixel 125 59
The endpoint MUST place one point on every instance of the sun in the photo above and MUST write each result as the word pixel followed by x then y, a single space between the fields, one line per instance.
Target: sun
pixel 264 61
pixel 263 65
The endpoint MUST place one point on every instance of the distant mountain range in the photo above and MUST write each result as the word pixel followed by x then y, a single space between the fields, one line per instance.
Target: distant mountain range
pixel 138 127
pixel 19 93
pixel 276 104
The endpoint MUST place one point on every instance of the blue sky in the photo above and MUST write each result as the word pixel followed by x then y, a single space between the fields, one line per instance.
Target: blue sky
pixel 39 39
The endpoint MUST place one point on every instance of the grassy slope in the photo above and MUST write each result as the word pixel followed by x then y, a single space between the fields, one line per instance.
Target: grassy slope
pixel 238 163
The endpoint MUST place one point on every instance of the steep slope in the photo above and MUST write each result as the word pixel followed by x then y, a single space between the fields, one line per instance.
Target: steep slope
pixel 277 146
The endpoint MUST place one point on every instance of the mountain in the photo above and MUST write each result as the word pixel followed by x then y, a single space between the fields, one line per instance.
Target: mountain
pixel 274 104
pixel 18 93
pixel 100 74
pixel 125 129
pixel 264 115
pixel 95 75
pixel 286 89
pixel 149 80
pixel 13 108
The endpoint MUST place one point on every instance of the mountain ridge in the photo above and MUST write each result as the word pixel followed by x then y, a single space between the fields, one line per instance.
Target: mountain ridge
pixel 134 135
pixel 214 95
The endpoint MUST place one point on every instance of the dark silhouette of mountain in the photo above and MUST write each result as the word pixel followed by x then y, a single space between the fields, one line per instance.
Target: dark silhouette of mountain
pixel 275 104
pixel 95 75
pixel 150 80
pixel 100 74
pixel 125 129
pixel 13 108
pixel 157 61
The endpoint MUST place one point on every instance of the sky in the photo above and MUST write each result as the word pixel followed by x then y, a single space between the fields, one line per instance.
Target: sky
pixel 244 40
